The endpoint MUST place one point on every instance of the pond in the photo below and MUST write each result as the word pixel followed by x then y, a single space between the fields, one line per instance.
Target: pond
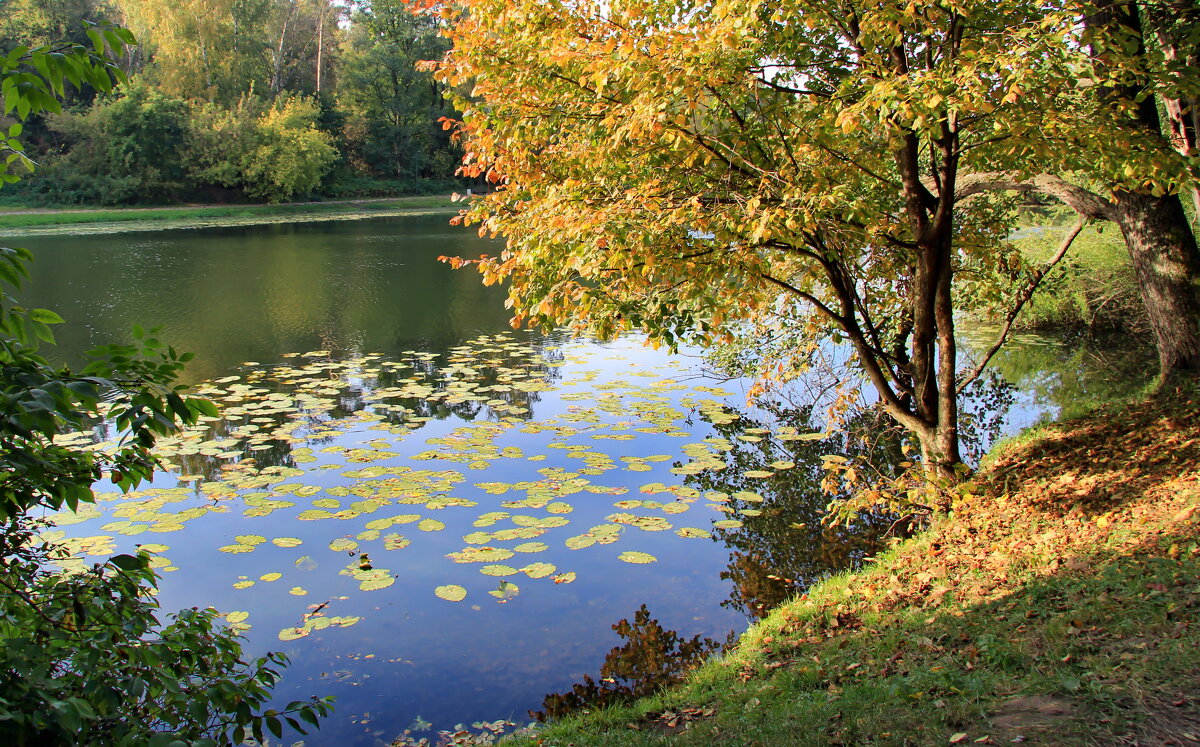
pixel 437 518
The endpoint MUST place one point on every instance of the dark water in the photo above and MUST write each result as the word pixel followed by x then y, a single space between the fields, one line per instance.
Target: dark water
pixel 243 299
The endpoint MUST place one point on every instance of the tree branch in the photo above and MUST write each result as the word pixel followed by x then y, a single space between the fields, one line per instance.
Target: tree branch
pixel 1023 297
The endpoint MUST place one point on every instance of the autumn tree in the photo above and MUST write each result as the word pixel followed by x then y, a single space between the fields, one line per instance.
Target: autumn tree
pixel 1102 147
pixel 700 170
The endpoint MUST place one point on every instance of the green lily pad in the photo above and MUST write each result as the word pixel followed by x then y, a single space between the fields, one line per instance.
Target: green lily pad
pixel 287 542
pixel 633 556
pixel 538 570
pixel 498 570
pixel 451 593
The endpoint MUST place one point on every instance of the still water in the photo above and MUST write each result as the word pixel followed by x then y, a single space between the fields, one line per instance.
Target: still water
pixel 439 519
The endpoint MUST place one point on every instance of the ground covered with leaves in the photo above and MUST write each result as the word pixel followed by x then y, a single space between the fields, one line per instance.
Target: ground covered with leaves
pixel 1059 603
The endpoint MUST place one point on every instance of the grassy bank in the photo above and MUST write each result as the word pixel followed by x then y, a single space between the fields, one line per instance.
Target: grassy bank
pixel 1058 604
pixel 1094 288
pixel 38 221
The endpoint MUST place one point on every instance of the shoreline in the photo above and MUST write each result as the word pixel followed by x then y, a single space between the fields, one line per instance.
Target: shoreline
pixel 53 222
pixel 1056 604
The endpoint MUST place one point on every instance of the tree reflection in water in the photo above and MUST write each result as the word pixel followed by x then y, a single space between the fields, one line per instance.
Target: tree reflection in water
pixel 651 658
pixel 784 544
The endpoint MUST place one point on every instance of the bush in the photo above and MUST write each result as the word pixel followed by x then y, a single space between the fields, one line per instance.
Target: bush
pixel 291 154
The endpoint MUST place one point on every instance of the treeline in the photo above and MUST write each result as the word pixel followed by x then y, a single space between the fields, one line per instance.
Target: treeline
pixel 236 100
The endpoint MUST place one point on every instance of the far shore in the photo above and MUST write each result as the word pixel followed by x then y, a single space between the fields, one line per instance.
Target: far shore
pixel 78 221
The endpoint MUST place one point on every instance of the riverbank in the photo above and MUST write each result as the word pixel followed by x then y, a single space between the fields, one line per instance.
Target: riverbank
pixel 41 221
pixel 1058 604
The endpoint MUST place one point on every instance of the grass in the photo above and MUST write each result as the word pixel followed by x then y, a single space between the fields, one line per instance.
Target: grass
pixel 1059 603
pixel 1094 288
pixel 210 214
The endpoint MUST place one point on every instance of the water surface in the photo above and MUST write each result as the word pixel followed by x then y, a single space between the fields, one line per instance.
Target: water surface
pixel 377 403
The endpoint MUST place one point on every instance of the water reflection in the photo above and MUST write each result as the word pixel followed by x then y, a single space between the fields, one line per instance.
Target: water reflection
pixel 651 658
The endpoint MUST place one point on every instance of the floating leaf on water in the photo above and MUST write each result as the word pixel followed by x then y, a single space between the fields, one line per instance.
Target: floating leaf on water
pixel 306 563
pixel 693 532
pixel 327 503
pixel 342 545
pixel 313 514
pixel 490 518
pixel 270 576
pixel 287 542
pixel 727 524
pixel 634 556
pixel 243 584
pixel 538 570
pixel 395 542
pixel 751 512
pixel 379 579
pixel 250 539
pixel 430 525
pixel 154 547
pixel 532 547
pixel 236 616
pixel 291 634
pixel 565 578
pixel 748 495
pixel 506 591
pixel 783 464
pixel 406 518
pixel 559 508
pixel 758 473
pixel 480 555
pixel 297 591
pixel 498 570
pixel 580 541
pixel 451 593
pixel 477 538
pixel 236 548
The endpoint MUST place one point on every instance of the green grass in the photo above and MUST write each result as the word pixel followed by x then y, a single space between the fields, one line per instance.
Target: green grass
pixel 1094 288
pixel 239 213
pixel 1059 604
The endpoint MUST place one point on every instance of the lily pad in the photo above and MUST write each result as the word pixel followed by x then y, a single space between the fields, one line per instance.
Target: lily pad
pixel 498 570
pixel 451 593
pixel 538 570
pixel 634 556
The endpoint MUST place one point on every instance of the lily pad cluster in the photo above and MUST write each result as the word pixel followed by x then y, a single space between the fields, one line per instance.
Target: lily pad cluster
pixel 337 442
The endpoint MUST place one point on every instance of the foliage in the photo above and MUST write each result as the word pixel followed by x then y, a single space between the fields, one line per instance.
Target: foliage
pixel 219 66
pixel 124 148
pixel 220 141
pixel 32 81
pixel 685 170
pixel 1093 289
pixel 86 661
pixel 291 154
pixel 391 105
pixel 84 658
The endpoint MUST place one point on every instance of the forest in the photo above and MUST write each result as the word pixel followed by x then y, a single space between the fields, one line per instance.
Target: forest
pixel 241 100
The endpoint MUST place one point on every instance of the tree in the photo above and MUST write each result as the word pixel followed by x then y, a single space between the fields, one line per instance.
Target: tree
pixel 84 659
pixel 393 105
pixel 1099 146
pixel 702 170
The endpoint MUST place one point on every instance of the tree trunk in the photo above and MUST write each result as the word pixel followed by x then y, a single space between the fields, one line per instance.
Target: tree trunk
pixel 1163 252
